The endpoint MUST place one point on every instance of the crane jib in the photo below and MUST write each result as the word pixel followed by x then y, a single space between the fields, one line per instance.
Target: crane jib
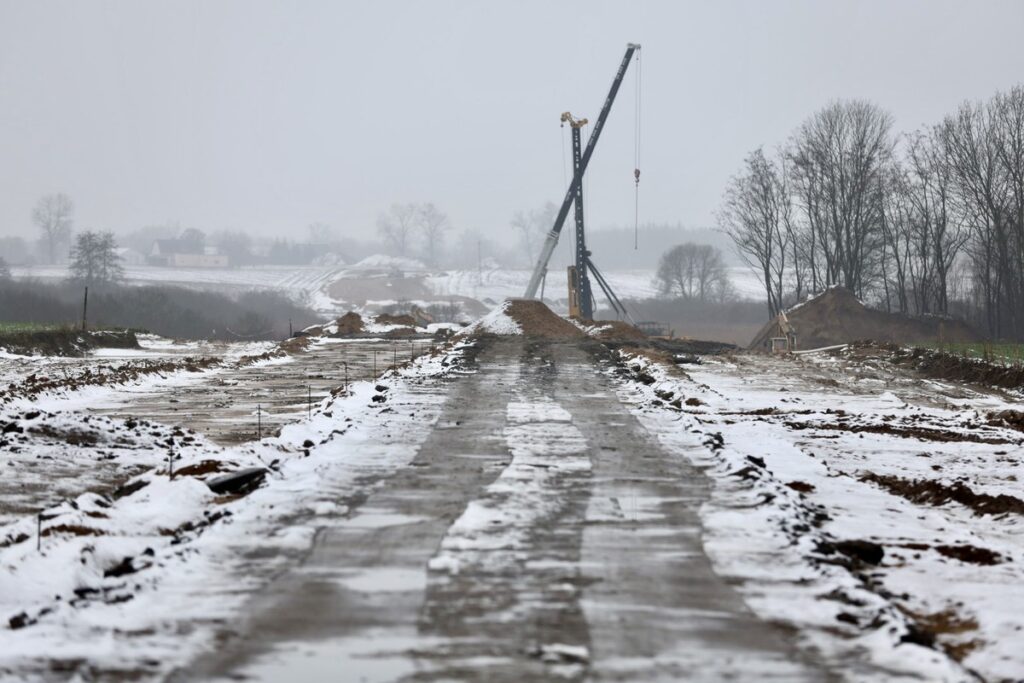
pixel 552 239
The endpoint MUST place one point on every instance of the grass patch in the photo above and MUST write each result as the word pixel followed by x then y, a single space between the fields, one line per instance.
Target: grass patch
pixel 7 327
pixel 999 353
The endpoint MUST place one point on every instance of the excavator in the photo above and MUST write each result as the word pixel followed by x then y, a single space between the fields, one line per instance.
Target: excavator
pixel 581 300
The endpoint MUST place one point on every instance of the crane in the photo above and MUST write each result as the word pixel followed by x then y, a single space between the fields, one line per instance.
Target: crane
pixel 579 273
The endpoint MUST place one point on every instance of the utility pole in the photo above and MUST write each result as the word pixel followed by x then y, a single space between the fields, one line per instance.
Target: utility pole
pixel 85 307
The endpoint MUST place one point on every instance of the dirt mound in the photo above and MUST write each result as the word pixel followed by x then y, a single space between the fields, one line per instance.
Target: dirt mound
pixel 838 317
pixel 66 341
pixel 403 319
pixel 939 365
pixel 350 323
pixel 938 493
pixel 537 320
pixel 616 330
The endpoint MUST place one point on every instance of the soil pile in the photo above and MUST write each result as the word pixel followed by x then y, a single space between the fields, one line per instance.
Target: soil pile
pixel 616 330
pixel 838 317
pixel 403 319
pixel 66 342
pixel 350 323
pixel 940 365
pixel 537 320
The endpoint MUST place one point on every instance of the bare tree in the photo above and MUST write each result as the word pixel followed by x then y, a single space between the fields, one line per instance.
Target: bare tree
pixel 840 156
pixel 396 227
pixel 756 215
pixel 432 224
pixel 692 271
pixel 53 215
pixel 94 259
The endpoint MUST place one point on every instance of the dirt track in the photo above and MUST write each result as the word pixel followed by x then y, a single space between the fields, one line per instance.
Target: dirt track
pixel 540 533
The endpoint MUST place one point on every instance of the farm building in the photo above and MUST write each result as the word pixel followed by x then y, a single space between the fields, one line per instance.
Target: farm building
pixel 183 254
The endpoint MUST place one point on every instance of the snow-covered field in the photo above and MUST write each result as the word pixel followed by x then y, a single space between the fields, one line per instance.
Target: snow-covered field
pixel 500 284
pixel 872 511
pixel 71 593
pixel 308 284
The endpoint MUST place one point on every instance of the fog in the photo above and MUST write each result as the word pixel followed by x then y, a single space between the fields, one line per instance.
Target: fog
pixel 266 117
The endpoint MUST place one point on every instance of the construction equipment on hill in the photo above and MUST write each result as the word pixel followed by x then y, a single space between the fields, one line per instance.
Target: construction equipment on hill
pixel 581 301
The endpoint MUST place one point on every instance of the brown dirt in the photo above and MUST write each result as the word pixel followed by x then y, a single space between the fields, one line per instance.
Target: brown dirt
pixel 402 319
pixel 66 341
pixel 1014 419
pixel 936 493
pixel 939 626
pixel 838 317
pixel 970 553
pixel 101 375
pixel 350 323
pixel 616 330
pixel 200 469
pixel 539 321
pixel 295 344
pixel 904 431
pixel 73 529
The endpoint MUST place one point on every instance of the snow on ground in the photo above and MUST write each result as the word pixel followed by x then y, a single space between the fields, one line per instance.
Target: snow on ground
pixel 796 449
pixel 499 284
pixel 496 322
pixel 136 581
pixel 493 530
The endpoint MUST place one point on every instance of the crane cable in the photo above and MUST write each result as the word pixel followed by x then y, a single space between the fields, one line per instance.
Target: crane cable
pixel 636 155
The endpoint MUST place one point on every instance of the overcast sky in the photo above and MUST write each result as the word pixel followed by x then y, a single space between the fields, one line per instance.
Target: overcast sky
pixel 267 116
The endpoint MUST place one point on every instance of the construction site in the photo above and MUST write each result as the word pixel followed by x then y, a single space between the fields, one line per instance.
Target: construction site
pixel 555 477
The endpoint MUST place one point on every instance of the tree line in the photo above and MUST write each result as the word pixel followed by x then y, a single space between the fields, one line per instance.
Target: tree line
pixel 930 222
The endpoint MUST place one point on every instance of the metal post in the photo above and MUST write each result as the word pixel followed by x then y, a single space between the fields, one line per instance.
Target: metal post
pixel 309 409
pixel 170 464
pixel 289 328
pixel 259 422
pixel 39 531
pixel 85 307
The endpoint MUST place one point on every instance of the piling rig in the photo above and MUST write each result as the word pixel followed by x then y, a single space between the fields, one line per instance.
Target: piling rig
pixel 581 301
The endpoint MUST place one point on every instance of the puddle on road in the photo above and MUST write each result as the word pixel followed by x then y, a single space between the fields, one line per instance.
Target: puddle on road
pixel 377 518
pixel 385 580
pixel 373 655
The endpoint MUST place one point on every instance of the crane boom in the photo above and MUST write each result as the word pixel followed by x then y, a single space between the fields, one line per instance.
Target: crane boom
pixel 552 239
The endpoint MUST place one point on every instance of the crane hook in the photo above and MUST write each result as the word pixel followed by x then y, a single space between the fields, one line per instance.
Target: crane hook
pixel 636 175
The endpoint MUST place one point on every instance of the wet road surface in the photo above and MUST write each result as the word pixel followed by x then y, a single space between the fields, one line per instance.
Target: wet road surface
pixel 540 533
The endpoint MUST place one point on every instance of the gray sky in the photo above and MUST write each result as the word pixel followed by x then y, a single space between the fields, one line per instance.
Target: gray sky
pixel 267 116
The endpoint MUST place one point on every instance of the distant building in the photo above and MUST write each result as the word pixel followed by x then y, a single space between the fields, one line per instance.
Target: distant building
pixel 130 257
pixel 182 254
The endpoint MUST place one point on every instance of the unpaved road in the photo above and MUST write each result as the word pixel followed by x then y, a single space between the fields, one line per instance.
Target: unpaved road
pixel 239 404
pixel 541 533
